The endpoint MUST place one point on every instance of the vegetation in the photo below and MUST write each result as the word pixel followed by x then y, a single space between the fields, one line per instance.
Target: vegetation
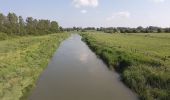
pixel 143 60
pixel 22 59
pixel 150 29
pixel 140 29
pixel 14 25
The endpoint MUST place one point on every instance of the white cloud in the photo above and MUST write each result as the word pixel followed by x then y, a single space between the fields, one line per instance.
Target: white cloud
pixel 83 11
pixel 123 14
pixel 158 1
pixel 85 3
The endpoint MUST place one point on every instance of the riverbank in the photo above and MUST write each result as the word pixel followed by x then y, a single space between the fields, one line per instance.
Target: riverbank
pixel 142 60
pixel 22 59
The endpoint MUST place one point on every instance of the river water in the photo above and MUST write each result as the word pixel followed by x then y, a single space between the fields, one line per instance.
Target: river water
pixel 76 73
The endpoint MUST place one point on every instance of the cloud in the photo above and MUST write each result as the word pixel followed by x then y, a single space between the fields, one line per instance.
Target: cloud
pixel 123 14
pixel 85 3
pixel 83 11
pixel 158 1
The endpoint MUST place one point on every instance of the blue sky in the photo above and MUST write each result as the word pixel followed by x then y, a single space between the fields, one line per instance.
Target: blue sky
pixel 98 13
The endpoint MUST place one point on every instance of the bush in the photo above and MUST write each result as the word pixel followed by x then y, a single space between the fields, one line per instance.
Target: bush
pixel 3 36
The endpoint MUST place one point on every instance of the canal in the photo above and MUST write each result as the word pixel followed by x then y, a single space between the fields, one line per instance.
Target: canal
pixel 76 73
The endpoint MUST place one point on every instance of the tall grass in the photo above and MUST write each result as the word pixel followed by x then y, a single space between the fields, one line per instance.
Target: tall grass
pixel 22 60
pixel 142 60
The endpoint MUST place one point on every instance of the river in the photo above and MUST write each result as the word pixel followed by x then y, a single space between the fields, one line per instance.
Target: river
pixel 76 73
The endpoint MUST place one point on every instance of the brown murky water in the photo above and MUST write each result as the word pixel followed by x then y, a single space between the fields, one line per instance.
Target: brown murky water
pixel 75 73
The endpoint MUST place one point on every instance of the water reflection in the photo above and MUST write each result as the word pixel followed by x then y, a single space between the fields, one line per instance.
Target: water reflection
pixel 83 57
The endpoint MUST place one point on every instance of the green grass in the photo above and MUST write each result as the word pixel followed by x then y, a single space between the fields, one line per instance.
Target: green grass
pixel 22 59
pixel 143 60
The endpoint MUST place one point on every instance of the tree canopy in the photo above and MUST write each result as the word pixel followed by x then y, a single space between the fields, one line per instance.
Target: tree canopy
pixel 16 25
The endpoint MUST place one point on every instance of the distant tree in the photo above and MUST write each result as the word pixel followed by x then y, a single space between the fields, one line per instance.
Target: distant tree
pixel 22 30
pixel 98 29
pixel 74 28
pixel 54 27
pixel 139 29
pixel 35 30
pixel 160 30
pixel 43 26
pixel 12 23
pixel 167 30
pixel 61 29
pixel 2 18
pixel 79 28
pixel 101 28
pixel 90 28
pixel 30 25
pixel 151 29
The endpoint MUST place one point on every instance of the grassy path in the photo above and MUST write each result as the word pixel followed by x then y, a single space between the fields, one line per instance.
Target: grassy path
pixel 142 59
pixel 21 62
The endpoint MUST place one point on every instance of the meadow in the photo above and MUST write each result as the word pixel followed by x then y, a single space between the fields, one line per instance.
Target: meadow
pixel 142 59
pixel 22 59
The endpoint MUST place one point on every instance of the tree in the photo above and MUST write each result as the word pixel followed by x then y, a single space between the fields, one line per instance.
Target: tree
pixel 167 30
pixel 12 23
pixel 29 25
pixel 2 18
pixel 54 27
pixel 160 30
pixel 22 30
pixel 140 29
pixel 44 26
pixel 61 29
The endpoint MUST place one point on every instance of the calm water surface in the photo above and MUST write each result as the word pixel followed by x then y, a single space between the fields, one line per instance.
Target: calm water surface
pixel 75 73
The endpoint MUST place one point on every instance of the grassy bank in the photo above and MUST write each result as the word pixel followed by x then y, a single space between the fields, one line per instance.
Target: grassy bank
pixel 22 59
pixel 143 60
pixel 4 36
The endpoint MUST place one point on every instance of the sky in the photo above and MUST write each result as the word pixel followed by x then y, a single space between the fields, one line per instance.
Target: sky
pixel 93 13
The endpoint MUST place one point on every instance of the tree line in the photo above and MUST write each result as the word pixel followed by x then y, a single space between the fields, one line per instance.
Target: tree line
pixel 140 29
pixel 16 25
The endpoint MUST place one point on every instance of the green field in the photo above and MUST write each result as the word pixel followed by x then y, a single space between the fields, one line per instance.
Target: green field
pixel 22 59
pixel 143 60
